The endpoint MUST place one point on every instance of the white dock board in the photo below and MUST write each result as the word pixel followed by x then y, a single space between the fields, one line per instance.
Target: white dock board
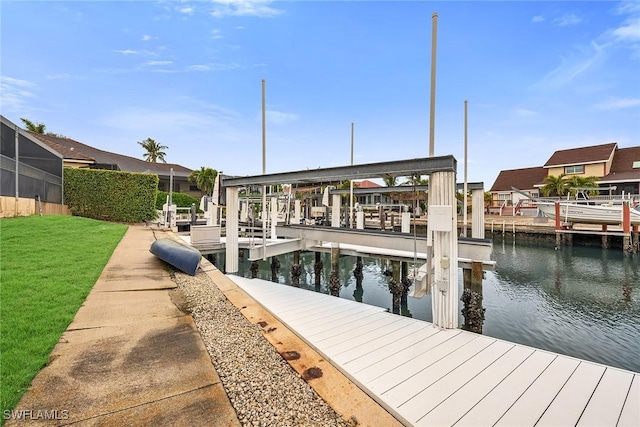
pixel 401 366
pixel 530 406
pixel 428 376
pixel 449 411
pixel 395 346
pixel 630 415
pixel 325 327
pixel 437 392
pixel 412 386
pixel 611 393
pixel 568 405
pixel 392 337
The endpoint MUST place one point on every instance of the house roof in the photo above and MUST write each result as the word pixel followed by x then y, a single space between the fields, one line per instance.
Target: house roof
pixel 622 166
pixel 74 150
pixel 366 184
pixel 522 179
pixel 582 155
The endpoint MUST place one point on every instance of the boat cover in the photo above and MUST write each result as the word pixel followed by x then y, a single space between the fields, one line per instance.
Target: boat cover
pixel 180 256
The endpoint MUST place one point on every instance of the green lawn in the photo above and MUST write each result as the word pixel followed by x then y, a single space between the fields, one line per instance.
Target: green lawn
pixel 48 265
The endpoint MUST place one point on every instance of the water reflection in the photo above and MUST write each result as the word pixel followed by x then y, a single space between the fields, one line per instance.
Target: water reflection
pixel 576 300
pixel 583 302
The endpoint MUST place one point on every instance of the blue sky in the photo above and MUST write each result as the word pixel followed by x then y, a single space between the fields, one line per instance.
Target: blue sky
pixel 538 76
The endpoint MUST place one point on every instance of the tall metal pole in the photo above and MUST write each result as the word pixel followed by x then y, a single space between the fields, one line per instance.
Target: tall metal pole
pixel 264 171
pixel 264 129
pixel 432 113
pixel 17 145
pixel 432 128
pixel 351 185
pixel 464 203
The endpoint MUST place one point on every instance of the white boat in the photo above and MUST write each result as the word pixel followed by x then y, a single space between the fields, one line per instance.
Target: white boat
pixel 581 212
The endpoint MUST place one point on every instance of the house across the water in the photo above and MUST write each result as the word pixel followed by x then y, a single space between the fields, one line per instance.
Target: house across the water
pixel 617 171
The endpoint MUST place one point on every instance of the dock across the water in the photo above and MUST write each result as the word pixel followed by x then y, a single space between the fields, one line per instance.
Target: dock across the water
pixel 425 375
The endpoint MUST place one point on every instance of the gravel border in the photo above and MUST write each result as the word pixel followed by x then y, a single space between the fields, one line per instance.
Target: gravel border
pixel 262 387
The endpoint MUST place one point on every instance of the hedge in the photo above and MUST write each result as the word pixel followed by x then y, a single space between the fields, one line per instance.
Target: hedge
pixel 181 200
pixel 111 195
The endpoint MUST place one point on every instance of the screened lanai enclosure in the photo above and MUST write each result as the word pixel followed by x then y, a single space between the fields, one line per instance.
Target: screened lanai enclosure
pixel 28 168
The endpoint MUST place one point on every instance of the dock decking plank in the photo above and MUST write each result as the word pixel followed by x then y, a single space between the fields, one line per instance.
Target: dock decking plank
pixel 630 415
pixel 325 327
pixel 387 336
pixel 435 393
pixel 404 357
pixel 414 385
pixel 610 394
pixel 395 346
pixel 570 402
pixel 405 371
pixel 530 405
pixel 449 411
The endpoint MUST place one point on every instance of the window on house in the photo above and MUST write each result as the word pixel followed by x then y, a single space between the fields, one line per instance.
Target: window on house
pixel 572 170
pixel 636 164
pixel 162 186
pixel 193 188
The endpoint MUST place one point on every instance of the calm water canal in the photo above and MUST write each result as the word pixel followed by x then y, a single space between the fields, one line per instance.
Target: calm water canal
pixel 578 301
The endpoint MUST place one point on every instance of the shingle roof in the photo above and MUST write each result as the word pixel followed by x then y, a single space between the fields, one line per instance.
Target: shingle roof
pixel 582 155
pixel 622 165
pixel 522 179
pixel 366 184
pixel 75 150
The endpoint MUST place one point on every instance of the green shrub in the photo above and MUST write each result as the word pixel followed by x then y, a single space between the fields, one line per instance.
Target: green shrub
pixel 181 200
pixel 111 195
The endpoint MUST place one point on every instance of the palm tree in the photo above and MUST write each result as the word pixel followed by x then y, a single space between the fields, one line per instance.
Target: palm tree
pixel 33 127
pixel 390 181
pixel 555 185
pixel 204 178
pixel 154 151
pixel 416 180
pixel 577 181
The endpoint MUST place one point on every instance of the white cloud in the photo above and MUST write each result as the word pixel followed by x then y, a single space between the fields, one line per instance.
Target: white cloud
pixel 618 103
pixel 154 63
pixel 566 20
pixel 571 68
pixel 629 31
pixel 59 76
pixel 198 67
pixel 259 8
pixel 186 10
pixel 216 34
pixel 537 18
pixel 146 38
pixel 127 52
pixel 15 92
pixel 279 117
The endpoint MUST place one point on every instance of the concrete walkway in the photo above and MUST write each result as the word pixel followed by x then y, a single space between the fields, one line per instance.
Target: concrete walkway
pixel 130 356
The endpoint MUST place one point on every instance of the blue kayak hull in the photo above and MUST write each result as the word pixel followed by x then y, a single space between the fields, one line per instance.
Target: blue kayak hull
pixel 182 257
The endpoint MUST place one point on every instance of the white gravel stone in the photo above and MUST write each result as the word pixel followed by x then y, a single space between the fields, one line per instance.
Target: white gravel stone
pixel 262 387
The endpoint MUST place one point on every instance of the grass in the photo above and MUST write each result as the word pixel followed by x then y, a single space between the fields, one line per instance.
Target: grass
pixel 48 265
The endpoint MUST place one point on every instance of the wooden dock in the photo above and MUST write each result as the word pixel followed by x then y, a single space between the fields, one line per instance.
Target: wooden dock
pixel 424 375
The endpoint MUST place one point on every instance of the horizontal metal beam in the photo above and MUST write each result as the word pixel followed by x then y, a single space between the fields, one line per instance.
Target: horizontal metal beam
pixel 402 189
pixel 281 246
pixel 421 166
pixel 468 248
